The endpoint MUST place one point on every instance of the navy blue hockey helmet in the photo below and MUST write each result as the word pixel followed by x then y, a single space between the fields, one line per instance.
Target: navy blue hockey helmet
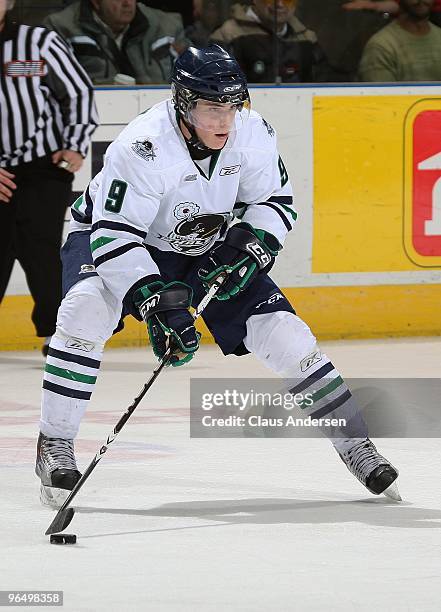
pixel 208 74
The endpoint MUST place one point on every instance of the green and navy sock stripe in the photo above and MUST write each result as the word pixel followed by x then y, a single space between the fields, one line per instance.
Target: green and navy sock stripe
pixel 331 406
pixel 69 378
pixel 72 358
pixel 116 253
pixel 71 371
pixel 312 378
pixel 326 388
pixel 61 390
pixel 118 227
pixel 69 374
pixel 330 386
pixel 325 393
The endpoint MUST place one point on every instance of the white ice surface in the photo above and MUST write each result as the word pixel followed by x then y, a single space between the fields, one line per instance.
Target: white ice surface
pixel 169 523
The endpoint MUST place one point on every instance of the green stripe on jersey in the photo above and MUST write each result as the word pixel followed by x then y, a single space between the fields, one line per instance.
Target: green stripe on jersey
pixel 84 378
pixel 99 242
pixel 78 203
pixel 289 210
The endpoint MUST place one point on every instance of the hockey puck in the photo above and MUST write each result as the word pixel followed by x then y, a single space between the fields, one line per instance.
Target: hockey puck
pixel 63 538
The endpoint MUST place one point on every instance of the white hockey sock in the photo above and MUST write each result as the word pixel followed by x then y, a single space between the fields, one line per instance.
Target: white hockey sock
pixel 69 379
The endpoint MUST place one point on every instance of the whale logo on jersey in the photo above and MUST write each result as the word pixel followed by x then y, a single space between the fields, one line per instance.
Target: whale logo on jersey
pixel 145 149
pixel 195 233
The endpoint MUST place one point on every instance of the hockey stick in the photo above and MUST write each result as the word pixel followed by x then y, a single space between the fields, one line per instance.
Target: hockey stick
pixel 65 514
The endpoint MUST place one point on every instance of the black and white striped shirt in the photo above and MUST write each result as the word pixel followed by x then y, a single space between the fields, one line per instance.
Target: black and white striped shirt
pixel 46 98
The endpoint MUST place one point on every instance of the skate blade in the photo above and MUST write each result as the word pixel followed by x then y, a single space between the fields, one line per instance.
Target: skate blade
pixel 52 497
pixel 392 492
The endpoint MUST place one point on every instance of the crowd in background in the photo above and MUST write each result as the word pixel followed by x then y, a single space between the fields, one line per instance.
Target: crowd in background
pixel 125 42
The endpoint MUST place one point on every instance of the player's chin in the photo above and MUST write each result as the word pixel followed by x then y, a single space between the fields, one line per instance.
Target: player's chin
pixel 218 140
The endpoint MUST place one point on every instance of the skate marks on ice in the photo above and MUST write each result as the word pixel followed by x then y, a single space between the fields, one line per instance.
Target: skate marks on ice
pixel 376 511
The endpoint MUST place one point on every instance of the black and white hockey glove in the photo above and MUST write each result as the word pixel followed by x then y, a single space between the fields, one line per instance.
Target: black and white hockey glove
pixel 245 253
pixel 165 310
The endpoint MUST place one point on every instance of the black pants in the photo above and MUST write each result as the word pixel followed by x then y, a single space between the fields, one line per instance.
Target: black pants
pixel 31 230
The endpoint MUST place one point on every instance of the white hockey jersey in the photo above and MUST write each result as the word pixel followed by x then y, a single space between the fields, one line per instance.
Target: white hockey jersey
pixel 151 192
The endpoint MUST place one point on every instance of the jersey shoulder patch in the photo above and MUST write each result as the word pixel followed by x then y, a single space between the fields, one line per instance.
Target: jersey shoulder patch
pixel 152 138
pixel 144 148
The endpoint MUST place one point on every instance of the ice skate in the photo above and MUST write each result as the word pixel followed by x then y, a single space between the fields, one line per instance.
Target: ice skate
pixel 372 469
pixel 56 468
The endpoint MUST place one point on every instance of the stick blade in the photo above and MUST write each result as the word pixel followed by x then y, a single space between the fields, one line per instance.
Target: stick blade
pixel 61 521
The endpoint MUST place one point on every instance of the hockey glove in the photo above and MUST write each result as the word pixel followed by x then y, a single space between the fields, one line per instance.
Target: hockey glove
pixel 244 253
pixel 165 310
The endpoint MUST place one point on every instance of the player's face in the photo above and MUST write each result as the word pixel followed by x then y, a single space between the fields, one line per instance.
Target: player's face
pixel 417 9
pixel 117 14
pixel 266 10
pixel 213 122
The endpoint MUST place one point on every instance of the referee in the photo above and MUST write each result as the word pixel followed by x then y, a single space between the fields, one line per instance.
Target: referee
pixel 47 117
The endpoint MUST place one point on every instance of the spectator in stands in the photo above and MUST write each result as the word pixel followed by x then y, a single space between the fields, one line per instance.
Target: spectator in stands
pixel 208 15
pixel 409 49
pixel 342 34
pixel 391 7
pixel 184 7
pixel 249 35
pixel 121 37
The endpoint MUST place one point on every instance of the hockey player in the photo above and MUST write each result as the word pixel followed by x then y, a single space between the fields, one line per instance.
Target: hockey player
pixel 150 234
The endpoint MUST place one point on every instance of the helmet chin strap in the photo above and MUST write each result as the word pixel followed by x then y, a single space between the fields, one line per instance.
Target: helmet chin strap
pixel 195 143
